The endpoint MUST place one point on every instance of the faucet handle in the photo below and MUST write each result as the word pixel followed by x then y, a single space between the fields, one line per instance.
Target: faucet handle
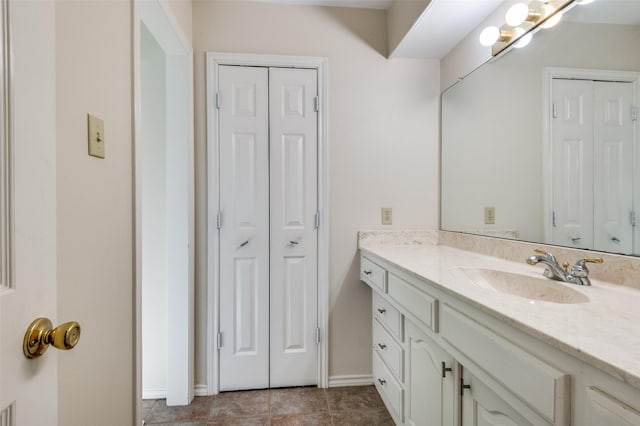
pixel 593 260
pixel 565 266
pixel 540 251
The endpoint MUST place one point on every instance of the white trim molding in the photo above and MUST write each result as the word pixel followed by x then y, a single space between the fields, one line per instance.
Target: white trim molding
pixel 154 393
pixel 6 151
pixel 350 380
pixel 213 61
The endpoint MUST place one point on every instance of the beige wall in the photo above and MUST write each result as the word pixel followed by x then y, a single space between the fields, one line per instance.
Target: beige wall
pixel 94 211
pixel 383 143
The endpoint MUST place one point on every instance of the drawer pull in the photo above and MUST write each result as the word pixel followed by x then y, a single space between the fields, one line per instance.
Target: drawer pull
pixel 463 387
pixel 382 382
pixel 382 346
pixel 382 310
pixel 368 272
pixel 445 369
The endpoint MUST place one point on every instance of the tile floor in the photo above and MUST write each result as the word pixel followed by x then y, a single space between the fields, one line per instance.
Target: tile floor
pixel 353 406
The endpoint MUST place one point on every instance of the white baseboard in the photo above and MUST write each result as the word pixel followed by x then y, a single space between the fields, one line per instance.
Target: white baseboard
pixel 202 390
pixel 350 380
pixel 154 393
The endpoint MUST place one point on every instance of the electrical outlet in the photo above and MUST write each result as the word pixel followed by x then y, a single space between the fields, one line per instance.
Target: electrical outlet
pixel 489 215
pixel 387 215
pixel 96 136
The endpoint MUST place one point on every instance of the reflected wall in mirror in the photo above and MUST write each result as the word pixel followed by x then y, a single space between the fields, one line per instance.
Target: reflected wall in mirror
pixel 547 136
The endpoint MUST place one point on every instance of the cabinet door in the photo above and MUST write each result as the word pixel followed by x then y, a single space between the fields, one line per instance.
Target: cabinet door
pixel 607 410
pixel 483 407
pixel 430 397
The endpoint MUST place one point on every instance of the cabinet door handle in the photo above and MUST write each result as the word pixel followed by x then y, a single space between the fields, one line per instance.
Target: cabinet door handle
pixel 445 369
pixel 463 387
pixel 382 382
pixel 367 272
pixel 382 346
pixel 382 310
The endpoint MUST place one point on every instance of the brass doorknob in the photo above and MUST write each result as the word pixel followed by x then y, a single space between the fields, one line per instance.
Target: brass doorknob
pixel 41 334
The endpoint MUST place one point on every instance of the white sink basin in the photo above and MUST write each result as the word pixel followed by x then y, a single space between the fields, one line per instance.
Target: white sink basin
pixel 526 286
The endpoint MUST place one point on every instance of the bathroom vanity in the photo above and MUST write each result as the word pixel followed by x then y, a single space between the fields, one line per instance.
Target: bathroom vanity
pixel 461 338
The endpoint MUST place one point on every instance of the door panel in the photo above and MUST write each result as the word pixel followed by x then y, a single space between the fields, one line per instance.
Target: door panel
pixel 572 150
pixel 29 290
pixel 431 397
pixel 613 168
pixel 244 236
pixel 293 175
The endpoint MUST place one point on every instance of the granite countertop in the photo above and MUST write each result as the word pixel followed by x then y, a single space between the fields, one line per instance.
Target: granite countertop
pixel 603 332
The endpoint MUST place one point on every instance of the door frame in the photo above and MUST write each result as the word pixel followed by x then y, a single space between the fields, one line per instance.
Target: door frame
pixel 160 20
pixel 549 73
pixel 213 61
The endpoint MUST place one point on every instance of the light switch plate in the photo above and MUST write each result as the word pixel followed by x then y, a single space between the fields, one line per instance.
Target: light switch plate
pixel 489 215
pixel 387 215
pixel 96 136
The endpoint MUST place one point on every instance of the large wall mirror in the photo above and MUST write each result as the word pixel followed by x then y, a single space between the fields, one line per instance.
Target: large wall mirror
pixel 541 144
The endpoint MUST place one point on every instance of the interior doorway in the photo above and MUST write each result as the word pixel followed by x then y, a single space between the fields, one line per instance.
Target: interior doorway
pixel 267 197
pixel 164 206
pixel 267 122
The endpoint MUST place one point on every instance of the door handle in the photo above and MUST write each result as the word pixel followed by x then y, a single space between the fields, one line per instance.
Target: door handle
pixel 41 334
pixel 293 243
pixel 244 244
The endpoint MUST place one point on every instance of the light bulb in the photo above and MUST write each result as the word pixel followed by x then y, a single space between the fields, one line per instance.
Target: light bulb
pixel 516 14
pixel 551 22
pixel 524 40
pixel 489 36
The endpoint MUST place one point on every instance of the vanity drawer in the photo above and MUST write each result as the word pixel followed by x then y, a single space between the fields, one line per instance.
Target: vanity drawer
pixel 389 388
pixel 388 315
pixel 373 274
pixel 539 385
pixel 415 301
pixel 388 349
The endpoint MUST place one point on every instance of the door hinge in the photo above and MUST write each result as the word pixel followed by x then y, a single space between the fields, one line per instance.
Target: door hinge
pixel 553 219
pixel 634 113
pixel 219 340
pixel 219 220
pixel 317 335
pixel 316 104
pixel 554 110
pixel 316 220
pixel 632 218
pixel 217 100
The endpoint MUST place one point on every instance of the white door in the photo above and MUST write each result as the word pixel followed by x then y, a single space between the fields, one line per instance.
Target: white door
pixel 28 387
pixel 592 145
pixel 613 167
pixel 294 243
pixel 572 150
pixel 268 243
pixel 244 236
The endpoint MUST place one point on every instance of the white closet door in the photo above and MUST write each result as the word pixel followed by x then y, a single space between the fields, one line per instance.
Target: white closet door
pixel 244 236
pixel 572 148
pixel 294 285
pixel 613 167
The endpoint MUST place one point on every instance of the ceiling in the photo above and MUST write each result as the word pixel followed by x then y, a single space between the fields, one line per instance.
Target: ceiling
pixel 440 28
pixel 365 4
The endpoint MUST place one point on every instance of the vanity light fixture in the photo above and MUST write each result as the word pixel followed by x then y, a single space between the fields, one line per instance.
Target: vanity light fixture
pixel 522 20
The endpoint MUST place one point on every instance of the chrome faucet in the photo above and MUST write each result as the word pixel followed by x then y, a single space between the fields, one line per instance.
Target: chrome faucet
pixel 579 272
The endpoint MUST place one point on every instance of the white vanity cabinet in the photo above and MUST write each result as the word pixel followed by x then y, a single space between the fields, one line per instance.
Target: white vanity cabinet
pixel 439 360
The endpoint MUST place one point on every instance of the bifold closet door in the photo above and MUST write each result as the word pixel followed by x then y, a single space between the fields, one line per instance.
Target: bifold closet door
pixel 592 143
pixel 294 243
pixel 244 236
pixel 613 168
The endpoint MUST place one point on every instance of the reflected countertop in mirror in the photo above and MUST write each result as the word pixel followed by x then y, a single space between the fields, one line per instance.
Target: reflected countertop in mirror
pixel 547 137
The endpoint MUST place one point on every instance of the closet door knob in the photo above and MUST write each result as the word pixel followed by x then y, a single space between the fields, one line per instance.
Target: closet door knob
pixel 382 346
pixel 382 310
